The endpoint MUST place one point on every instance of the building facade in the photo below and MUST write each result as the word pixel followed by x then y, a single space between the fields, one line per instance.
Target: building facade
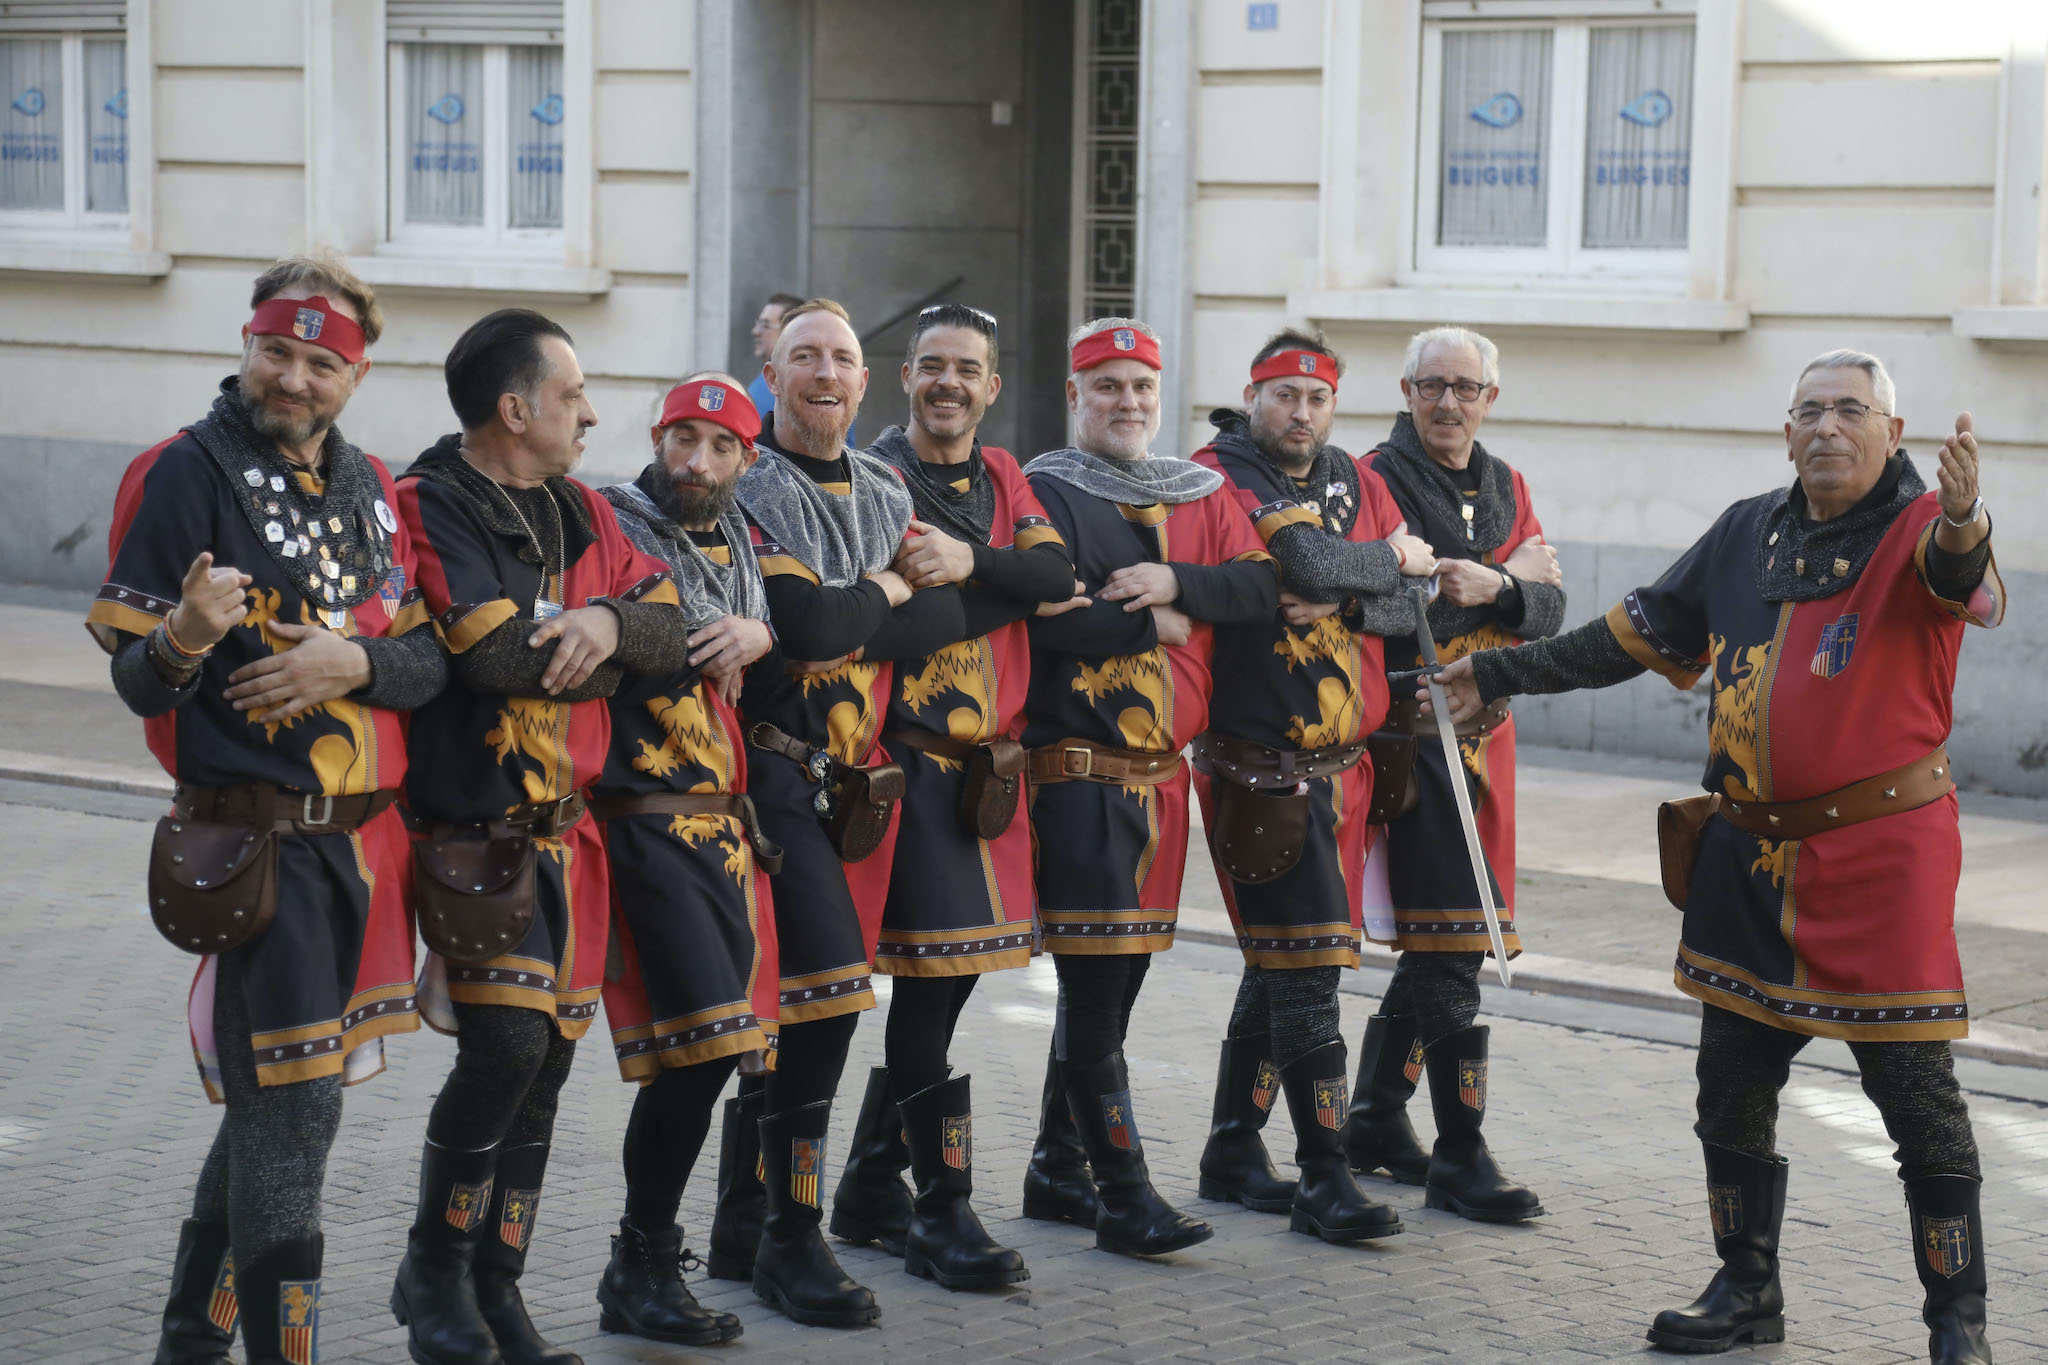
pixel 1658 208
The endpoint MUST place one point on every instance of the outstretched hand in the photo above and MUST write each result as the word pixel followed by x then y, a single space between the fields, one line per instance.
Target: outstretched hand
pixel 1461 691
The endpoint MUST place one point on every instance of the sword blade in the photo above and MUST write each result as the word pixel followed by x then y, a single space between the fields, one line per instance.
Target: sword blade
pixel 1454 763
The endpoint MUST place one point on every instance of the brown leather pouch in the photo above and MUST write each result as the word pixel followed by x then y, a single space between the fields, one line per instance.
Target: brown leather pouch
pixel 474 897
pixel 212 886
pixel 1258 836
pixel 862 800
pixel 1679 828
pixel 995 781
pixel 1394 788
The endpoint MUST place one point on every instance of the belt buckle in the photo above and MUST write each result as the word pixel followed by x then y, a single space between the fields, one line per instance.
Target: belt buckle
pixel 1087 765
pixel 326 815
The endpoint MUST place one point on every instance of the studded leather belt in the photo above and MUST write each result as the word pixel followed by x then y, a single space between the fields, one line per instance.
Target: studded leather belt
pixel 1908 787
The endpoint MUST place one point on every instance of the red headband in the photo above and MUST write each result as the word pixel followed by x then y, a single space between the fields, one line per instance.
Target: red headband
pixel 1115 343
pixel 1294 365
pixel 315 320
pixel 714 401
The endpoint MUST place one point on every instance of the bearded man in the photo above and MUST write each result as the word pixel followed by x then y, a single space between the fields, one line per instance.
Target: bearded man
pixel 960 900
pixel 694 992
pixel 1284 786
pixel 263 616
pixel 1118 688
pixel 546 609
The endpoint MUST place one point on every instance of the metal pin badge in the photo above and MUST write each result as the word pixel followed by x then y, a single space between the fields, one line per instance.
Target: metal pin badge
pixel 253 477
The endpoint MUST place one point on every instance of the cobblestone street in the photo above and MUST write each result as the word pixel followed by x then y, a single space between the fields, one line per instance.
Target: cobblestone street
pixel 102 1128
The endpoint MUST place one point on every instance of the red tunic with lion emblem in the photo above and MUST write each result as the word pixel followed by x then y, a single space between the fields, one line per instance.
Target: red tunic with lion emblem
pixel 1850 933
pixel 334 972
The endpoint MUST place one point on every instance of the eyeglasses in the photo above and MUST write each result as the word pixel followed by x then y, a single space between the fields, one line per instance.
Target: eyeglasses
pixel 1848 409
pixel 1468 390
pixel 957 315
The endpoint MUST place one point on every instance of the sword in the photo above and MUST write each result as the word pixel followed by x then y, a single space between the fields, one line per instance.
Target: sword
pixel 1455 765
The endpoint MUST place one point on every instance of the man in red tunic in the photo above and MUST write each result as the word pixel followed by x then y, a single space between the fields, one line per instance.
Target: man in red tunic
pixel 263 616
pixel 1284 784
pixel 1822 900
pixel 960 899
pixel 1118 688
pixel 545 609
pixel 1499 584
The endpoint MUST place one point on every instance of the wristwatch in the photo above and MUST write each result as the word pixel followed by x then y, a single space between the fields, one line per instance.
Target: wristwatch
pixel 1976 511
pixel 1507 580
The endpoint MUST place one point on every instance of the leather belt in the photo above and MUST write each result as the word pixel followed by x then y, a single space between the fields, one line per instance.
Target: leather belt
pixel 533 820
pixel 734 805
pixel 925 741
pixel 260 805
pixel 1404 716
pixel 1256 765
pixel 814 760
pixel 1083 760
pixel 1904 788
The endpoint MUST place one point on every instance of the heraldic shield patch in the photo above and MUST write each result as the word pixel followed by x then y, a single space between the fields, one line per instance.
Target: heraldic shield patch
pixel 1330 1102
pixel 1724 1207
pixel 1122 1124
pixel 1946 1244
pixel 223 1309
pixel 956 1141
pixel 1837 642
pixel 466 1205
pixel 1411 1070
pixel 515 1224
pixel 1472 1084
pixel 298 1321
pixel 806 1161
pixel 1263 1086
pixel 307 324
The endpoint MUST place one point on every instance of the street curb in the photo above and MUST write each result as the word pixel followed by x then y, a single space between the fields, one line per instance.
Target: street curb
pixel 139 785
pixel 2006 1045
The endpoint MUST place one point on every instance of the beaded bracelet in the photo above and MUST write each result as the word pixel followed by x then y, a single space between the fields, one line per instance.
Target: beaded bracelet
pixel 172 640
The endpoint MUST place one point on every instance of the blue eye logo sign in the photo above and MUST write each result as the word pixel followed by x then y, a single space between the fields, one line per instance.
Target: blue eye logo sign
pixel 117 106
pixel 1502 111
pixel 549 110
pixel 1648 109
pixel 447 109
pixel 31 102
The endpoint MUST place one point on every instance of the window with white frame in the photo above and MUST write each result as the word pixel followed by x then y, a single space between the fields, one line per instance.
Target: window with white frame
pixel 63 116
pixel 476 111
pixel 1556 139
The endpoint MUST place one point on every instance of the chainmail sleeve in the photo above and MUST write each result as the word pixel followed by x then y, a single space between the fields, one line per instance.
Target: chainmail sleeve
pixel 654 637
pixel 1323 568
pixel 503 663
pixel 141 686
pixel 1542 610
pixel 406 671
pixel 1589 656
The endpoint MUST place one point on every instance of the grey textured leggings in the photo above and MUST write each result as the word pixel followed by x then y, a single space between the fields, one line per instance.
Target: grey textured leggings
pixel 1296 1006
pixel 1744 1063
pixel 1440 989
pixel 268 1162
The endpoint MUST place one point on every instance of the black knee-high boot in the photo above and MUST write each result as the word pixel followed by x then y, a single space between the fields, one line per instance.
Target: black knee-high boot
pixel 199 1315
pixel 501 1257
pixel 1744 1301
pixel 280 1294
pixel 1133 1220
pixel 794 1270
pixel 742 1202
pixel 434 1298
pixel 1463 1177
pixel 1379 1136
pixel 1948 1233
pixel 1235 1166
pixel 1057 1185
pixel 1328 1203
pixel 946 1241
pixel 872 1204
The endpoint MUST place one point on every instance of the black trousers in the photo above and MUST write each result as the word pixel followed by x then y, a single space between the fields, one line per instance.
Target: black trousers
pixel 1440 989
pixel 923 1012
pixel 1097 992
pixel 1744 1063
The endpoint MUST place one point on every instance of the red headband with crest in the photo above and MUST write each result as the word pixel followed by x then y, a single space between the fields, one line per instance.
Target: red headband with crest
pixel 713 400
pixel 315 320
pixel 1115 343
pixel 1297 365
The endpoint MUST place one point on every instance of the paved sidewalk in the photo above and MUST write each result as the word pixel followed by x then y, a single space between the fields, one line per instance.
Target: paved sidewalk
pixel 102 1130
